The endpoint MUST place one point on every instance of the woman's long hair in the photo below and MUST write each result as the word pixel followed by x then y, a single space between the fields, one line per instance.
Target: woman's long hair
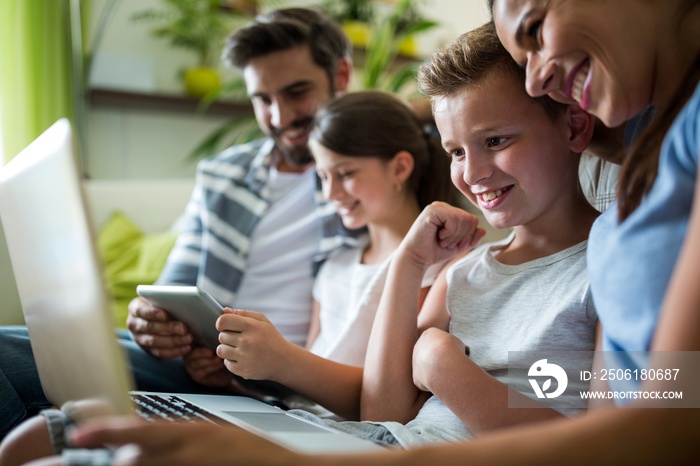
pixel 641 165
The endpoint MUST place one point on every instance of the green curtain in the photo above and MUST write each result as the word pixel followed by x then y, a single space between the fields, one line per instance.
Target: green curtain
pixel 36 69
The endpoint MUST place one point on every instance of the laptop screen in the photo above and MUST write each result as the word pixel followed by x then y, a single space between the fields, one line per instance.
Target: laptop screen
pixel 58 273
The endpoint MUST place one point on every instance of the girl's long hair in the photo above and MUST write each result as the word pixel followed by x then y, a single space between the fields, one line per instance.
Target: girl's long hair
pixel 379 124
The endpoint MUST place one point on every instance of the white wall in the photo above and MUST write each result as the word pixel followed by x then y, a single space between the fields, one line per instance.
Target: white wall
pixel 455 17
pixel 125 143
pixel 2 147
pixel 137 143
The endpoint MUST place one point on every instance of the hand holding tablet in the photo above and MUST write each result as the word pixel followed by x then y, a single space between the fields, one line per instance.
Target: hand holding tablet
pixel 189 304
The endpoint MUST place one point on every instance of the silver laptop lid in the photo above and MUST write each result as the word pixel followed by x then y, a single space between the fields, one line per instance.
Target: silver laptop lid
pixel 58 274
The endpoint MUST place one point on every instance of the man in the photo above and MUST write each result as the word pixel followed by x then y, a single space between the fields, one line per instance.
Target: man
pixel 255 226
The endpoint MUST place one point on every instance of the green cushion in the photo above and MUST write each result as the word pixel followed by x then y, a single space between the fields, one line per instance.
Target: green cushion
pixel 131 258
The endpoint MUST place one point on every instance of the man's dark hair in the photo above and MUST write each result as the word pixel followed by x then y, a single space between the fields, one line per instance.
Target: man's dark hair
pixel 287 28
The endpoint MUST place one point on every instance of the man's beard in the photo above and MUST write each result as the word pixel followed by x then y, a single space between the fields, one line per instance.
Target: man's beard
pixel 299 155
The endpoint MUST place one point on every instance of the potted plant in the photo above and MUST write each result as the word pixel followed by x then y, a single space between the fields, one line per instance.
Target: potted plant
pixel 354 16
pixel 390 35
pixel 361 18
pixel 387 34
pixel 199 26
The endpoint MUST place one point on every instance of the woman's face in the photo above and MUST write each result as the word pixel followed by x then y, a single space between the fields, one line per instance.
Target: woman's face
pixel 597 53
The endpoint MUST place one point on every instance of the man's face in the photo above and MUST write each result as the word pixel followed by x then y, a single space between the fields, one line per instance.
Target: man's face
pixel 286 89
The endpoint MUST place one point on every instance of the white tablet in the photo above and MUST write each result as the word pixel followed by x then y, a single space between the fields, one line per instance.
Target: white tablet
pixel 189 304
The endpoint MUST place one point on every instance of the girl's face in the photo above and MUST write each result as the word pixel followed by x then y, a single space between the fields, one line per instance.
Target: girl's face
pixel 508 157
pixel 361 189
pixel 598 53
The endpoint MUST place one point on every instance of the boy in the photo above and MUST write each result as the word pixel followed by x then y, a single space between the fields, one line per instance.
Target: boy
pixel 516 159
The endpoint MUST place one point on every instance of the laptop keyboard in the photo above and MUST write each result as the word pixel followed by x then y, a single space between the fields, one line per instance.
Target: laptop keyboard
pixel 169 408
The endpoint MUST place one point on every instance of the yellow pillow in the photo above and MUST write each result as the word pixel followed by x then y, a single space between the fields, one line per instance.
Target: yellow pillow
pixel 131 258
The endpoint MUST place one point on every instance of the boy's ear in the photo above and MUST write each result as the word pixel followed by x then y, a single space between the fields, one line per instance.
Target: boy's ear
pixel 343 71
pixel 402 165
pixel 581 125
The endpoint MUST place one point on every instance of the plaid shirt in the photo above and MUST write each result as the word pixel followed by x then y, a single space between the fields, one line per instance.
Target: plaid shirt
pixel 230 196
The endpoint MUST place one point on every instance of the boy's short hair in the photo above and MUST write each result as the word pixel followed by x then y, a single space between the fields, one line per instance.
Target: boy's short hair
pixel 468 60
pixel 287 28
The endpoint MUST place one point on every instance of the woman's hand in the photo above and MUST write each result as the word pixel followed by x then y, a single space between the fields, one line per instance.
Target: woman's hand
pixel 200 444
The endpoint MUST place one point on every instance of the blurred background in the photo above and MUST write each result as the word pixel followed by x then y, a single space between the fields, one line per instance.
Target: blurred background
pixel 115 67
pixel 143 84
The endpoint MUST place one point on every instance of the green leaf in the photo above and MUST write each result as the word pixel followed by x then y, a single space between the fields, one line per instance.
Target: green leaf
pixel 213 143
pixel 418 27
pixel 401 77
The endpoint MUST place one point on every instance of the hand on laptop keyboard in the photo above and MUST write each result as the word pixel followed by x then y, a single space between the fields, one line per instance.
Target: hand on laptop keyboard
pixel 170 408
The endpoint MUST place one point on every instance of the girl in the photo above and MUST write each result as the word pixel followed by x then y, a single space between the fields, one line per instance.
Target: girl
pixel 379 169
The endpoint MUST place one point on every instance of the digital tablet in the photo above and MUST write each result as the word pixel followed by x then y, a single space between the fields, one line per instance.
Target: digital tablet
pixel 189 304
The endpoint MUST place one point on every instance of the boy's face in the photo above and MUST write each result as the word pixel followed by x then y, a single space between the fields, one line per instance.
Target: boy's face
pixel 286 88
pixel 508 157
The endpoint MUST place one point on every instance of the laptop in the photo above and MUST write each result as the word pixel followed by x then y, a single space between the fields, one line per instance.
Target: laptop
pixel 64 301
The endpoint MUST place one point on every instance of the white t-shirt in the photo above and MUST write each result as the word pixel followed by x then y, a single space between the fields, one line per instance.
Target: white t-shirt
pixel 544 304
pixel 348 293
pixel 279 262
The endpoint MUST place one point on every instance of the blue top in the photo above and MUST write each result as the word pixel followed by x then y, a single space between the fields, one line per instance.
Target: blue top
pixel 630 263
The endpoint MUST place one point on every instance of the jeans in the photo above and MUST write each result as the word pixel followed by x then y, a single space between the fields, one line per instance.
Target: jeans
pixel 21 394
pixel 367 430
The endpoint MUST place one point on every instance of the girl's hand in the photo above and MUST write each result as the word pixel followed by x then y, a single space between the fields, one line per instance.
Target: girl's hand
pixel 251 346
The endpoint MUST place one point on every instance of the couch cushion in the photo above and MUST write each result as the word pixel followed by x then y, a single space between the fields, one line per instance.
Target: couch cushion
pixel 131 258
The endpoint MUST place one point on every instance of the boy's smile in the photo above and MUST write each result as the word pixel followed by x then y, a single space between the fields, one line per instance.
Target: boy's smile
pixel 493 198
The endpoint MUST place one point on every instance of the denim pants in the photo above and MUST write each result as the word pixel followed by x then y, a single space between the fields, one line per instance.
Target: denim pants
pixel 21 394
